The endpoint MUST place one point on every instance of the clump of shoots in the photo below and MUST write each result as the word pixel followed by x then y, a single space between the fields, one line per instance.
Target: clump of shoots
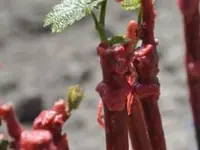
pixel 46 132
pixel 128 92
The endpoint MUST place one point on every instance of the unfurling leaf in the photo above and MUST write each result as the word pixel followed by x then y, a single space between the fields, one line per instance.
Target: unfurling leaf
pixel 118 40
pixel 130 4
pixel 68 12
pixel 75 96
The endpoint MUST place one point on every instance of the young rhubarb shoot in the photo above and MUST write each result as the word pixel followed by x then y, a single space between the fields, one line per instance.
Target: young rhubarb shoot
pixel 148 87
pixel 191 21
pixel 113 90
pixel 46 132
pixel 138 132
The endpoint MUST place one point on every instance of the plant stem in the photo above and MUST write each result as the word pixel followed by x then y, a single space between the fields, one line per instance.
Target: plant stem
pixel 139 21
pixel 137 127
pixel 116 129
pixel 103 13
pixel 100 25
pixel 150 104
pixel 138 130
pixel 191 20
pixel 148 17
pixel 102 20
pixel 139 17
pixel 100 29
pixel 113 90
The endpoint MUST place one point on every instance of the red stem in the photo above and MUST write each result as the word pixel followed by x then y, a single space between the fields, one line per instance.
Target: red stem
pixel 138 133
pixel 13 125
pixel 150 105
pixel 191 20
pixel 116 129
pixel 137 127
pixel 148 20
pixel 113 91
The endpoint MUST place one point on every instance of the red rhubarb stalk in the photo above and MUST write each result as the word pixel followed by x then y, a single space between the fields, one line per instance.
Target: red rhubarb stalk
pixel 139 136
pixel 137 127
pixel 191 21
pixel 148 88
pixel 114 90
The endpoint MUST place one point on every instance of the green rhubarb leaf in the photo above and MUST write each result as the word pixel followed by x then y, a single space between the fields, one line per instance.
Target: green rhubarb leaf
pixel 68 12
pixel 130 5
pixel 117 40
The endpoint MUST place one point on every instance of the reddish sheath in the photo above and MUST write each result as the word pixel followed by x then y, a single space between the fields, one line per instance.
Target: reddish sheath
pixel 191 20
pixel 113 91
pixel 116 129
pixel 137 127
pixel 150 104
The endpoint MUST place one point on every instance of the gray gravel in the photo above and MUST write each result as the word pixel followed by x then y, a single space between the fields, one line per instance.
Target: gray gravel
pixel 40 65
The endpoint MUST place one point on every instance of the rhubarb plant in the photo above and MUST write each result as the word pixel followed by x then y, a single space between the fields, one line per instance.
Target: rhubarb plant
pixel 46 132
pixel 129 88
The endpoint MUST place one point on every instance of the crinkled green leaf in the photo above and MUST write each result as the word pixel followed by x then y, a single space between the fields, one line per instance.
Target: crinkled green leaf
pixel 117 40
pixel 131 4
pixel 68 12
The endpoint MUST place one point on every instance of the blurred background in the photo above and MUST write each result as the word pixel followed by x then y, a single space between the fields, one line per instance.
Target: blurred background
pixel 39 66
